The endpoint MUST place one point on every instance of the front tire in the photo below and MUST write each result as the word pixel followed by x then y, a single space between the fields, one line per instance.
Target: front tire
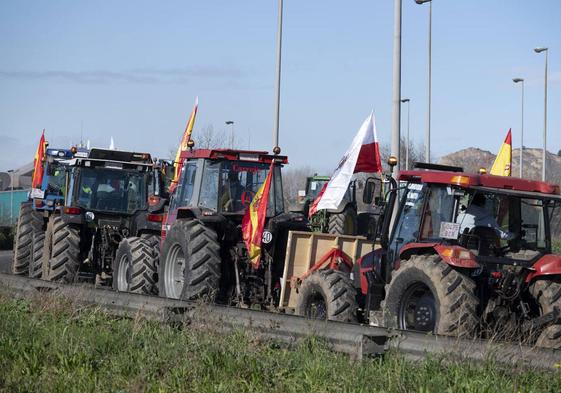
pixel 28 222
pixel 64 259
pixel 425 294
pixel 190 262
pixel 327 294
pixel 548 295
pixel 134 266
pixel 344 223
pixel 36 264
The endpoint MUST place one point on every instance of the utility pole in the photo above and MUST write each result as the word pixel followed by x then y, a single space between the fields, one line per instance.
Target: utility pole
pixel 396 112
pixel 276 148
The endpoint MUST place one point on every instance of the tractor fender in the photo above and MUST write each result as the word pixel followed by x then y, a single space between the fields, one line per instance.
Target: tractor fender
pixel 548 265
pixel 452 255
pixel 371 262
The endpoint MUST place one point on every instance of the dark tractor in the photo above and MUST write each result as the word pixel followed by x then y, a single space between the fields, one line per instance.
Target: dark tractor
pixel 356 215
pixel 35 212
pixel 108 229
pixel 467 254
pixel 203 254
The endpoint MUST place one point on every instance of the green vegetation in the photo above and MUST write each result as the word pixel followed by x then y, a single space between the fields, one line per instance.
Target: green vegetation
pixel 556 246
pixel 50 346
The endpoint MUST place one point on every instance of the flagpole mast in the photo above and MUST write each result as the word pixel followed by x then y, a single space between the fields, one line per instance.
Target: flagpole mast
pixel 276 148
pixel 396 114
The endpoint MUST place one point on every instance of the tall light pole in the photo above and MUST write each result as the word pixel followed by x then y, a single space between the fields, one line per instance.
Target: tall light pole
pixel 429 87
pixel 408 101
pixel 396 113
pixel 11 172
pixel 276 148
pixel 544 157
pixel 521 81
pixel 231 123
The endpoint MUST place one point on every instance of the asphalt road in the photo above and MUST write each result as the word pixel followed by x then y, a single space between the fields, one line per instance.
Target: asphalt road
pixel 5 260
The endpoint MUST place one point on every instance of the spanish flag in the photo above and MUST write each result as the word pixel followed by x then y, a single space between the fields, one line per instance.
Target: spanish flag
pixel 502 164
pixel 40 154
pixel 183 146
pixel 254 220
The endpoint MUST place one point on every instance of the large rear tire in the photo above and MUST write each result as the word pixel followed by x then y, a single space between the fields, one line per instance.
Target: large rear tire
pixel 327 294
pixel 134 266
pixel 548 295
pixel 344 223
pixel 425 294
pixel 28 222
pixel 64 259
pixel 190 262
pixel 36 264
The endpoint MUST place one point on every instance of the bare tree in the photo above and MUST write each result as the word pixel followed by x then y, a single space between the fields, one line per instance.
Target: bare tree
pixel 208 138
pixel 294 179
pixel 416 153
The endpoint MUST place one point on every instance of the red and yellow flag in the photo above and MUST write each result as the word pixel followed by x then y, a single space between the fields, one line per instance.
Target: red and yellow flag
pixel 183 146
pixel 254 220
pixel 502 164
pixel 38 168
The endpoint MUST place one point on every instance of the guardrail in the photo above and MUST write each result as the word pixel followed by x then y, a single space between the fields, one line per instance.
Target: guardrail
pixel 356 340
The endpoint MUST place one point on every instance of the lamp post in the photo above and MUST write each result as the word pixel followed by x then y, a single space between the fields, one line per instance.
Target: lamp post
pixel 408 101
pixel 11 172
pixel 396 83
pixel 231 123
pixel 429 87
pixel 544 162
pixel 521 81
pixel 276 148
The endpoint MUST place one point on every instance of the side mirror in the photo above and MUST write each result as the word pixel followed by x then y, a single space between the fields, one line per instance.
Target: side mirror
pixel 369 190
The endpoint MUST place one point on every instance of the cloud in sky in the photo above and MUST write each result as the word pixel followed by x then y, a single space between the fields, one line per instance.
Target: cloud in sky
pixel 138 76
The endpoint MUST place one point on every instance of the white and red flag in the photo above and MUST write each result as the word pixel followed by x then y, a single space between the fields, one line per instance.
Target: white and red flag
pixel 362 156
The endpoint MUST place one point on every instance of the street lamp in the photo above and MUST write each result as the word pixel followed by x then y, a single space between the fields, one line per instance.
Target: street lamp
pixel 276 147
pixel 231 123
pixel 11 172
pixel 427 132
pixel 521 81
pixel 408 101
pixel 540 50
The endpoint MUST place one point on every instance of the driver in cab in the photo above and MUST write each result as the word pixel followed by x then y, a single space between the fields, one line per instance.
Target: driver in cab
pixel 230 199
pixel 478 215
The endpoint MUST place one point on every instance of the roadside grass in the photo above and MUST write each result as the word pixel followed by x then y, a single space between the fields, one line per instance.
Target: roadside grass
pixel 55 346
pixel 556 246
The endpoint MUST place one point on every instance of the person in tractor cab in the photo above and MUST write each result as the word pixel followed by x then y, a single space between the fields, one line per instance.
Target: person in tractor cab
pixel 230 199
pixel 479 215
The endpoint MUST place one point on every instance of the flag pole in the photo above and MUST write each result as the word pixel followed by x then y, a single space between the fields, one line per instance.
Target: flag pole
pixel 276 148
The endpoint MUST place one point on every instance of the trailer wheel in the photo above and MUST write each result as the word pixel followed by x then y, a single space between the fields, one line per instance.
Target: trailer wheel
pixel 28 221
pixel 548 295
pixel 327 294
pixel 190 262
pixel 344 223
pixel 427 295
pixel 63 258
pixel 36 264
pixel 134 266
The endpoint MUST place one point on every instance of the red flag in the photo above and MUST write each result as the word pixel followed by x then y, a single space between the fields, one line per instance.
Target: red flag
pixel 314 205
pixel 254 220
pixel 37 177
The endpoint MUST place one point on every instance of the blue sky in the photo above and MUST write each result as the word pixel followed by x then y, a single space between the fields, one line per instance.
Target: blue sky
pixel 131 70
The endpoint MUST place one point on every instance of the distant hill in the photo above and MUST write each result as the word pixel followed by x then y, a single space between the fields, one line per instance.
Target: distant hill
pixel 471 159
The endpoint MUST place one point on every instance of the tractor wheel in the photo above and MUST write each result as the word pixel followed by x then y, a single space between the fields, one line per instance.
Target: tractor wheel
pixel 154 242
pixel 327 294
pixel 190 262
pixel 36 264
pixel 28 221
pixel 134 266
pixel 344 223
pixel 63 256
pixel 427 295
pixel 548 295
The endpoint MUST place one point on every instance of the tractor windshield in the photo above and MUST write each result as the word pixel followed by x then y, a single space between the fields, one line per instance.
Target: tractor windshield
pixel 314 187
pixel 111 190
pixel 229 186
pixel 56 178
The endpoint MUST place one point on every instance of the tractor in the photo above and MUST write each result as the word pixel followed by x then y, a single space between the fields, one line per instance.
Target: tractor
pixel 35 212
pixel 111 219
pixel 354 216
pixel 466 254
pixel 203 254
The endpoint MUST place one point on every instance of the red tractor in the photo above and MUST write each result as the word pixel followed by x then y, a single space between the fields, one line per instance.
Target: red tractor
pixel 465 253
pixel 202 252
